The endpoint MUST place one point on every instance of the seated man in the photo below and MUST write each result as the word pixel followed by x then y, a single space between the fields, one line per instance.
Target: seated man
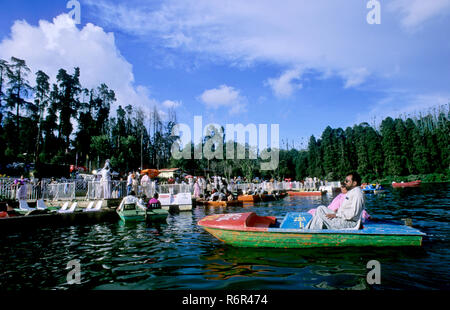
pixel 349 213
pixel 131 199
pixel 337 202
pixel 214 195
pixel 222 196
pixel 229 196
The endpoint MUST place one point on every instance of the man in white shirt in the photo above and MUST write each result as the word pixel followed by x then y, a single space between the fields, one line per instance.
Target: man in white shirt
pixel 131 199
pixel 129 182
pixel 348 215
pixel 145 183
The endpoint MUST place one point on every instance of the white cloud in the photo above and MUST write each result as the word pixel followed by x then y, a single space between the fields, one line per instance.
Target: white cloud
pixel 223 96
pixel 330 37
pixel 171 104
pixel 51 46
pixel 416 12
pixel 287 83
pixel 403 104
pixel 354 77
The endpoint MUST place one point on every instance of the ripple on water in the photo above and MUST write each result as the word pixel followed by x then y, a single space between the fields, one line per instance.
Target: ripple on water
pixel 178 254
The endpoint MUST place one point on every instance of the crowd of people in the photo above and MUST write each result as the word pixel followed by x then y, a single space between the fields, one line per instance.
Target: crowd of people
pixel 345 211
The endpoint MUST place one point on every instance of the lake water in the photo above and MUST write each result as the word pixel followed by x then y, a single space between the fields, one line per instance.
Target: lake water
pixel 178 254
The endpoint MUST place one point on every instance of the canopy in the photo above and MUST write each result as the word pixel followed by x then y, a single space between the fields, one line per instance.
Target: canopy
pixel 152 173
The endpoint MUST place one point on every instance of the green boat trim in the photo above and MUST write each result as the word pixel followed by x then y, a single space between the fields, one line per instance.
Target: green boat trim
pixel 310 240
pixel 138 214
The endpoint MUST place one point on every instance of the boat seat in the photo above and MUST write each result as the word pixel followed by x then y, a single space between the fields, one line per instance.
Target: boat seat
pixel 23 205
pixel 71 210
pixel 296 220
pixel 64 206
pixel 97 207
pixel 90 205
pixel 260 221
pixel 41 205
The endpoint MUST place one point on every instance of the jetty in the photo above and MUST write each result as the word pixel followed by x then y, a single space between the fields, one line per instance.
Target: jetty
pixel 46 218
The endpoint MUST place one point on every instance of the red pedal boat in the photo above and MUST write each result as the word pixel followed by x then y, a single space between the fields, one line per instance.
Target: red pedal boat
pixel 306 193
pixel 407 184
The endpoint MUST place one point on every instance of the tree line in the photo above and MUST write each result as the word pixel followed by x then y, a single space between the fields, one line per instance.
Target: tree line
pixel 416 145
pixel 65 123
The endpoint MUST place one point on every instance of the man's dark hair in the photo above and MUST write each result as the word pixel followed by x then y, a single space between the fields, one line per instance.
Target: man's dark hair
pixel 355 177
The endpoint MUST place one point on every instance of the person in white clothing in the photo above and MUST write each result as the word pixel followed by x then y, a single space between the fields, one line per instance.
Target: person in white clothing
pixel 348 215
pixel 129 182
pixel 22 190
pixel 145 183
pixel 131 199
pixel 106 180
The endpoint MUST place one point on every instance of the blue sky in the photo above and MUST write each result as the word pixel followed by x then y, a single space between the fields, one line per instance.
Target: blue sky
pixel 301 64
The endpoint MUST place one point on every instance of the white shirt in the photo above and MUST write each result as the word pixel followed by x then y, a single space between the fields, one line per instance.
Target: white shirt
pixel 130 200
pixel 145 179
pixel 352 206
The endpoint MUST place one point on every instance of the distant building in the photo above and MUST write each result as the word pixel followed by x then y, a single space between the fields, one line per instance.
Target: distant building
pixel 169 173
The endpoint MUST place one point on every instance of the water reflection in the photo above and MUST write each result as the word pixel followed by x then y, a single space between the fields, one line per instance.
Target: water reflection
pixel 177 253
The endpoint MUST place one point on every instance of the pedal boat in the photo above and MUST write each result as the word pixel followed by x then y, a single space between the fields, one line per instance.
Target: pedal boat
pixel 251 230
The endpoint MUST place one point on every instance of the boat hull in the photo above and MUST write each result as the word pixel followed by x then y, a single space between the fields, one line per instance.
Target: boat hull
pixel 304 240
pixel 407 184
pixel 251 230
pixel 314 193
pixel 223 203
pixel 140 215
pixel 249 198
pixel 257 198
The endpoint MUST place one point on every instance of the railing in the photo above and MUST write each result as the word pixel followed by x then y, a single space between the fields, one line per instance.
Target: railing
pixel 118 189
pixel 10 190
pixel 113 189
pixel 59 191
pixel 174 188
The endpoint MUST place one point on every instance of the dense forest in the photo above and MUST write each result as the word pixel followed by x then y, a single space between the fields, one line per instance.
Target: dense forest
pixel 64 123
pixel 37 124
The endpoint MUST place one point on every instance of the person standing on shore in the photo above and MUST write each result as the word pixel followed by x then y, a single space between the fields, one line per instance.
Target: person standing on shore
pixel 135 183
pixel 145 184
pixel 22 190
pixel 106 180
pixel 196 189
pixel 349 213
pixel 129 183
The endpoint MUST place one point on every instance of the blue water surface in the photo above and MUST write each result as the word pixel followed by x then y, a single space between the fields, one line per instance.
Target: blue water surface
pixel 178 254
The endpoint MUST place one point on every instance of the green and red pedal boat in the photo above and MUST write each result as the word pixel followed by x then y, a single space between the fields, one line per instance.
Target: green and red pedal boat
pixel 251 230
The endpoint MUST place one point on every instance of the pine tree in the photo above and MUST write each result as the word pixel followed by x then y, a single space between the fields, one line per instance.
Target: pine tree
pixel 391 147
pixel 42 93
pixel 17 93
